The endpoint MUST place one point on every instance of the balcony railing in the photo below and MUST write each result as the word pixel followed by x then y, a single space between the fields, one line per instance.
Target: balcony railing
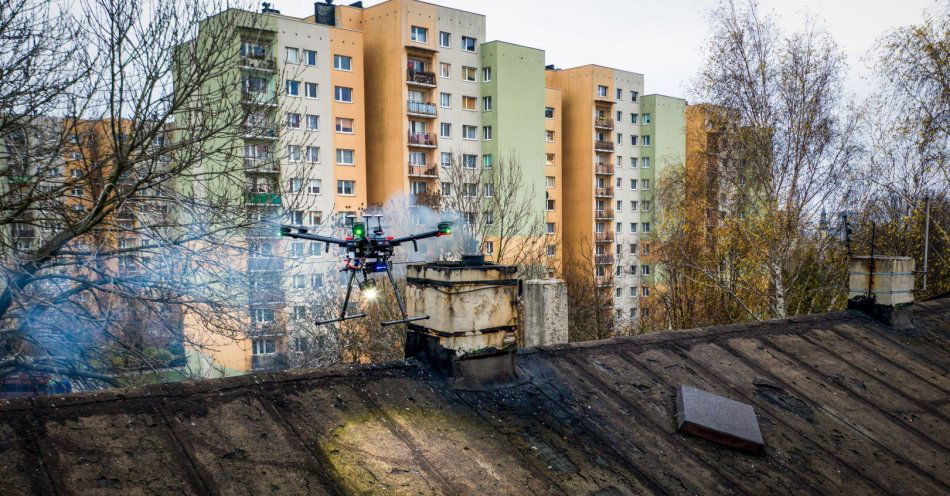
pixel 604 169
pixel 604 192
pixel 604 259
pixel 604 237
pixel 257 98
pixel 265 263
pixel 270 361
pixel 604 123
pixel 265 63
pixel 266 296
pixel 602 281
pixel 420 170
pixel 603 214
pixel 604 146
pixel 422 78
pixel 24 232
pixel 261 164
pixel 421 108
pixel 259 131
pixel 255 198
pixel 423 139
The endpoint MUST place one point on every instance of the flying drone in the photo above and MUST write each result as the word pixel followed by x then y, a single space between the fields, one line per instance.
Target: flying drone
pixel 367 254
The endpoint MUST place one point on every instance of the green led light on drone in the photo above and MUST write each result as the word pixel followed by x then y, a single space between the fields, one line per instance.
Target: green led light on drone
pixel 359 230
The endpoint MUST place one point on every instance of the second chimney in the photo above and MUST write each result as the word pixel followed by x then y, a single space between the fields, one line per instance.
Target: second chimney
pixel 883 287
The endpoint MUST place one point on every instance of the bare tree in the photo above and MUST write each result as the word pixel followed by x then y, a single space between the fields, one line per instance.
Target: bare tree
pixel 590 302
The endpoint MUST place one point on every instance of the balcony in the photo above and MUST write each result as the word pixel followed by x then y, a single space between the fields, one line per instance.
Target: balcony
pixel 604 169
pixel 265 132
pixel 604 146
pixel 604 123
pixel 423 140
pixel 604 99
pixel 261 165
pixel 265 263
pixel 423 170
pixel 603 214
pixel 23 232
pixel 420 109
pixel 604 259
pixel 262 199
pixel 603 281
pixel 420 78
pixel 604 192
pixel 266 296
pixel 257 98
pixel 260 64
pixel 259 329
pixel 270 361
pixel 604 237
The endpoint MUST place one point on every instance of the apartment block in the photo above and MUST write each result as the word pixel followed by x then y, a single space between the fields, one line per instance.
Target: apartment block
pixel 553 179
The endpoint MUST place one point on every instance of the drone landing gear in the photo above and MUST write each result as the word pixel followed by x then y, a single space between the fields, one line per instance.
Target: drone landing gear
pixel 346 302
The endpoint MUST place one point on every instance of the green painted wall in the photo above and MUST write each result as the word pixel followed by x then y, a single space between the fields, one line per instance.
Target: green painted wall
pixel 517 117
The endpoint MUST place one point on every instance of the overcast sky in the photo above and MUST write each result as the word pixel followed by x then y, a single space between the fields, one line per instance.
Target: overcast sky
pixel 662 39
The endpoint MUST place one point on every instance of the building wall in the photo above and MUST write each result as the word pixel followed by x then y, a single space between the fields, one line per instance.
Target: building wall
pixel 553 99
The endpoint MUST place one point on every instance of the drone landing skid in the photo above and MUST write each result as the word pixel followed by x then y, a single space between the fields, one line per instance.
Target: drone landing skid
pixel 403 321
pixel 349 317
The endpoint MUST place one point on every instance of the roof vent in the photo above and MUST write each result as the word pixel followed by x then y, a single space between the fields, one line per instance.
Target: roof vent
pixel 324 13
pixel 267 9
pixel 718 419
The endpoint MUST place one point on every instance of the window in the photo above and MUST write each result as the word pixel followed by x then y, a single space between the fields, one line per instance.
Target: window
pixel 490 247
pixel 549 136
pixel 75 155
pixel 633 311
pixel 549 205
pixel 344 156
pixel 346 188
pixel 486 133
pixel 551 250
pixel 633 162
pixel 313 122
pixel 548 159
pixel 293 120
pixel 486 74
pixel 468 44
pixel 293 153
pixel 310 57
pixel 633 185
pixel 469 74
pixel 646 162
pixel 633 228
pixel 633 251
pixel 343 94
pixel 342 62
pixel 469 103
pixel 633 140
pixel 619 117
pixel 549 182
pixel 75 173
pixel 551 228
pixel 645 270
pixel 446 188
pixel 310 90
pixel 344 125
pixel 419 34
pixel 445 130
pixel 646 140
pixel 315 187
pixel 296 184
pixel 601 90
pixel 470 189
pixel 489 190
pixel 296 217
pixel 646 184
pixel 417 158
pixel 645 227
pixel 646 119
pixel 633 205
pixel 300 312
pixel 313 154
pixel 646 249
pixel 293 87
pixel 619 138
pixel 299 280
pixel 293 56
pixel 445 39
pixel 76 191
pixel 646 206
pixel 445 159
pixel 549 112
pixel 633 118
pixel 417 187
pixel 633 96
pixel 619 227
pixel 617 292
pixel 468 132
pixel 486 103
pixel 469 161
pixel 314 252
pixel 264 346
pixel 619 94
pixel 487 161
pixel 445 100
pixel 445 70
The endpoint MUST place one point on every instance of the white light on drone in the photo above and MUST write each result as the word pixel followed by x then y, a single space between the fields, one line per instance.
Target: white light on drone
pixel 371 293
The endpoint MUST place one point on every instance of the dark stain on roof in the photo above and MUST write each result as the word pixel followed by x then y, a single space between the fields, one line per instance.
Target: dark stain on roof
pixel 844 405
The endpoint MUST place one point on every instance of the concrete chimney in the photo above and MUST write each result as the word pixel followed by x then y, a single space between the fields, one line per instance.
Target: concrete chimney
pixel 473 313
pixel 883 287
pixel 545 312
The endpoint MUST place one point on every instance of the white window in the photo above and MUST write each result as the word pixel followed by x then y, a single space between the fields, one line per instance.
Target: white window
pixel 293 56
pixel 346 188
pixel 296 184
pixel 633 140
pixel 445 70
pixel 293 120
pixel 445 39
pixel 469 103
pixel 549 182
pixel 646 291
pixel 310 90
pixel 551 228
pixel 469 161
pixel 75 155
pixel 633 118
pixel 646 184
pixel 633 96
pixel 487 161
pixel 299 280
pixel 419 34
pixel 344 156
pixel 293 153
pixel 75 172
pixel 486 133
pixel 633 227
pixel 300 312
pixel 645 227
pixel 344 125
pixel 619 138
pixel 469 132
pixel 601 90
pixel 486 74
pixel 446 189
pixel 633 251
pixel 551 250
pixel 619 228
pixel 445 159
pixel 489 190
pixel 313 154
pixel 646 119
pixel 417 158
pixel 548 159
pixel 262 315
pixel 486 103
pixel 470 189
pixel 293 87
pixel 548 112
pixel 549 136
pixel 633 185
pixel 468 44
pixel 445 130
pixel 310 57
pixel 315 187
pixel 313 122
pixel 633 205
pixel 549 205
pixel 646 206
pixel 633 162
pixel 342 63
pixel 646 140
pixel 469 74
pixel 314 251
pixel 343 94
pixel 646 162
pixel 645 270
pixel 264 346
pixel 445 100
